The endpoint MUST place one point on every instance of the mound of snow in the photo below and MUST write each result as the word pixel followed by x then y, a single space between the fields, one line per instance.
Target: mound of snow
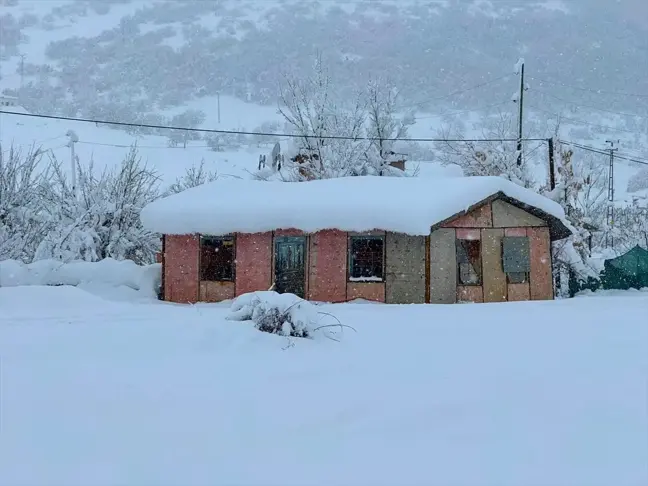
pixel 284 314
pixel 107 272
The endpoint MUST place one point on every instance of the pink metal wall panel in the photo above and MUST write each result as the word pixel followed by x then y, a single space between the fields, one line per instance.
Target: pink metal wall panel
pixel 181 257
pixel 541 273
pixel 253 262
pixel 328 266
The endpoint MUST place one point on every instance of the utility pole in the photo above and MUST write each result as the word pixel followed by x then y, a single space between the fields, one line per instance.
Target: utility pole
pixel 519 69
pixel 22 71
pixel 74 138
pixel 552 170
pixel 218 97
pixel 609 239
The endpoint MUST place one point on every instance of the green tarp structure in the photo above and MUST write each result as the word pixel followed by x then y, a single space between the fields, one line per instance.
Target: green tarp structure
pixel 628 271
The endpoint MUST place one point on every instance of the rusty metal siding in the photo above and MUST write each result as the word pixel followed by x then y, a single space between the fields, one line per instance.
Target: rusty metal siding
pixel 253 262
pixel 480 217
pixel 216 291
pixel 328 266
pixel 506 215
pixel 367 291
pixel 494 278
pixel 518 292
pixel 405 269
pixel 181 262
pixel 443 266
pixel 470 293
pixel 541 277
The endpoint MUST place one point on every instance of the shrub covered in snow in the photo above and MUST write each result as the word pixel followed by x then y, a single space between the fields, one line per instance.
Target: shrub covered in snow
pixel 283 314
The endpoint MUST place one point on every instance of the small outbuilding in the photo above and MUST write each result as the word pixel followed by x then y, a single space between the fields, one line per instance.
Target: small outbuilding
pixel 397 240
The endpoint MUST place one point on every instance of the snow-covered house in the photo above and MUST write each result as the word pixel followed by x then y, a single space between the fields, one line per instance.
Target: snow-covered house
pixel 386 239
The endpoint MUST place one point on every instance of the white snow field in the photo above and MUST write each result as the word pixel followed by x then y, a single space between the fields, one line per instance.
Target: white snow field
pixel 104 392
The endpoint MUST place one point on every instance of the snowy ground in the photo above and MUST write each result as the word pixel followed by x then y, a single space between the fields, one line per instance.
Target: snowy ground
pixel 103 392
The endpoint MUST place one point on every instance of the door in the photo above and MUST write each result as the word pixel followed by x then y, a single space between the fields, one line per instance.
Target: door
pixel 290 265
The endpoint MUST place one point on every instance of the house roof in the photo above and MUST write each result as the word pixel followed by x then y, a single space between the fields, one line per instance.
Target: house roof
pixel 401 204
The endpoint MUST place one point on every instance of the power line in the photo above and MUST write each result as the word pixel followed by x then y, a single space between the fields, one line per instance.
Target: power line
pixel 587 106
pixel 264 134
pixel 603 152
pixel 583 121
pixel 591 90
pixel 453 93
pixel 453 113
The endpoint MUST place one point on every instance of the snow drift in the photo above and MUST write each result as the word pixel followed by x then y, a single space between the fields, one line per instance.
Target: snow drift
pixel 108 272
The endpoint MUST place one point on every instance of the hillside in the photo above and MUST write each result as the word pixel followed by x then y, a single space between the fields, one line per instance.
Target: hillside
pixel 126 59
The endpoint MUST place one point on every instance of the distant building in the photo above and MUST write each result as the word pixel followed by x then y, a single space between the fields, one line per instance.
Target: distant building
pixel 6 100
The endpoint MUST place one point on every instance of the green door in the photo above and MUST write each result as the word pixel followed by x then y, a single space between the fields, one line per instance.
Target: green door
pixel 290 265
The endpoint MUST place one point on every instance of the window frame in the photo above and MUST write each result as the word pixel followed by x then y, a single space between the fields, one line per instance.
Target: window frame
pixel 223 238
pixel 480 273
pixel 362 280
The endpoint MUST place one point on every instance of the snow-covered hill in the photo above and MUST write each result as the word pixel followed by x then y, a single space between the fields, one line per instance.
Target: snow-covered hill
pixel 126 60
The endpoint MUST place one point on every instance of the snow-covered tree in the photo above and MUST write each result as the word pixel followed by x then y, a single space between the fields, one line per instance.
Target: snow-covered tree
pixel 631 224
pixel 638 181
pixel 186 119
pixel 492 158
pixel 22 219
pixel 104 220
pixel 580 190
pixel 384 125
pixel 194 176
pixel 308 107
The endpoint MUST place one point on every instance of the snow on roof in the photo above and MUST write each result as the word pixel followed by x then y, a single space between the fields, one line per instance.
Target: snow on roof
pixel 401 204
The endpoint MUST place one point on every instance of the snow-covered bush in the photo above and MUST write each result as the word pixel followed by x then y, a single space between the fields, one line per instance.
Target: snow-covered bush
pixel 193 177
pixel 22 223
pixel 283 314
pixel 100 219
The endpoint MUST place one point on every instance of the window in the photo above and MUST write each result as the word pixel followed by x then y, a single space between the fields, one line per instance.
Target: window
pixel 516 259
pixel 469 262
pixel 366 257
pixel 217 258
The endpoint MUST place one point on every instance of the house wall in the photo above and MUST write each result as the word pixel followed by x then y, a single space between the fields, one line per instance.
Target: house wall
pixel 374 291
pixel 253 262
pixel 328 266
pixel 494 279
pixel 490 223
pixel 541 275
pixel 181 257
pixel 404 269
pixel 416 268
pixel 443 266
